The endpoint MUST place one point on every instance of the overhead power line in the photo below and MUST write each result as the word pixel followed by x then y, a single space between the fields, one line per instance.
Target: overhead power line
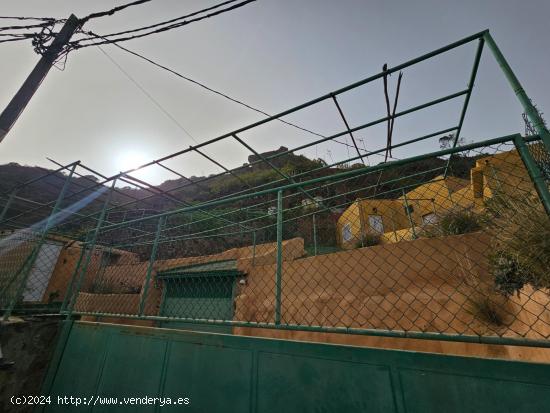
pixel 149 96
pixel 29 26
pixel 14 39
pixel 217 92
pixel 26 18
pixel 172 20
pixel 39 38
pixel 80 43
pixel 112 11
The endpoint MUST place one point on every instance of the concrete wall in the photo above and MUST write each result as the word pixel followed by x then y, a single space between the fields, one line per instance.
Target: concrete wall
pixel 374 287
pixel 117 279
pixel 421 285
pixel 67 264
pixel 264 253
pixel 540 355
pixel 107 303
pixel 430 284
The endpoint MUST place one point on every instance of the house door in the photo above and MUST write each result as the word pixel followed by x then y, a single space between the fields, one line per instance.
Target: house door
pixel 41 272
pixel 376 224
pixel 206 298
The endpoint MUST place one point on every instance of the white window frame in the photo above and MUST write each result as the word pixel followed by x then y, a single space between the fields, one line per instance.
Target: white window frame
pixel 376 219
pixel 347 234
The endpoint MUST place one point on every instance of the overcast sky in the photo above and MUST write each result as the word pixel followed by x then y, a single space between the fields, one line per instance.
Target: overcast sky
pixel 272 54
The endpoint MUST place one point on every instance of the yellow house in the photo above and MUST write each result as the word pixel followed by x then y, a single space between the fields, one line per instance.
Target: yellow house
pixel 394 220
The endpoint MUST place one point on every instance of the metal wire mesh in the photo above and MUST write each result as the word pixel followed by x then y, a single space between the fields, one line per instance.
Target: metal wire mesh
pixel 448 245
pixel 452 243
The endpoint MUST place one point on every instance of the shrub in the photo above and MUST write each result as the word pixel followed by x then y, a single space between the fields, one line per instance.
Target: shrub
pixel 521 232
pixel 453 223
pixel 484 309
pixel 508 274
pixel 369 240
pixel 459 222
pixel 484 302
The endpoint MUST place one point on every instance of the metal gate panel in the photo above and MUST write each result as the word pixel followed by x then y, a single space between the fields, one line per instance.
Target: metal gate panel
pixel 225 373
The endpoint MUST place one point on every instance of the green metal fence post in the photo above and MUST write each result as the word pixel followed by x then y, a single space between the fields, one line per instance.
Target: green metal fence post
pixel 528 107
pixel 471 84
pixel 75 272
pixel 102 268
pixel 7 206
pixel 93 238
pixel 407 210
pixel 314 234
pixel 162 221
pixel 534 171
pixel 279 270
pixel 60 198
pixel 27 266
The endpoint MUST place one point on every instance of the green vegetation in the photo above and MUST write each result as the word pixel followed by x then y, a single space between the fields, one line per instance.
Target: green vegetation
pixel 369 240
pixel 455 222
pixel 485 309
pixel 521 230
pixel 483 300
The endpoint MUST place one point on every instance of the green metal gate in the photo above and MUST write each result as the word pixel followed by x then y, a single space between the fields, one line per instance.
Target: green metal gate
pixel 224 373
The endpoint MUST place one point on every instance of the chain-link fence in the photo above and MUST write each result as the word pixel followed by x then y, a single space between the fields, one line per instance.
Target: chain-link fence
pixel 451 244
pixel 454 244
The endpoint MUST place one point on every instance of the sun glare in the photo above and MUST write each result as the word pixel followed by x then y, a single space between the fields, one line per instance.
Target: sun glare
pixel 130 159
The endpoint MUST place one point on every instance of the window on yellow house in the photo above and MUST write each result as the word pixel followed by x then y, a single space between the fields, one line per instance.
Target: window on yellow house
pixel 376 224
pixel 346 232
pixel 429 219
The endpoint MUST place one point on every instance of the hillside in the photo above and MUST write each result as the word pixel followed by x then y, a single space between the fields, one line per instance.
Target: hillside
pixel 204 188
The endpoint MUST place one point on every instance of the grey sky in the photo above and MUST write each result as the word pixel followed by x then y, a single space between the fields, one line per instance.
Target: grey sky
pixel 273 54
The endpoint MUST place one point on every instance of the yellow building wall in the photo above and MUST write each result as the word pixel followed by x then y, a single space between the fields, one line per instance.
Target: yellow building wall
pixel 446 193
pixel 504 173
pixel 352 218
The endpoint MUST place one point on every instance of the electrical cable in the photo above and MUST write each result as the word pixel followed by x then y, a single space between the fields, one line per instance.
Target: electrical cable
pixel 224 95
pixel 149 96
pixel 78 44
pixel 112 11
pixel 172 20
pixel 27 18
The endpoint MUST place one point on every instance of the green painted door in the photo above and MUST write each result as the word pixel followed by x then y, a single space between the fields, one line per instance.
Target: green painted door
pixel 205 297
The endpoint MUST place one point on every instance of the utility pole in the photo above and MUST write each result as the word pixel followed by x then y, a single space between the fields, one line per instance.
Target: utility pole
pixel 18 103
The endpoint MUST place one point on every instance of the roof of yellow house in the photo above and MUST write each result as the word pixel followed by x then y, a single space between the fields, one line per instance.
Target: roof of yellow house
pixel 510 157
pixel 431 188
